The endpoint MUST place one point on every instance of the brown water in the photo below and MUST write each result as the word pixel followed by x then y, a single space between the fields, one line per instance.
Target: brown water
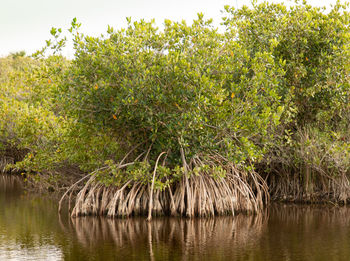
pixel 31 229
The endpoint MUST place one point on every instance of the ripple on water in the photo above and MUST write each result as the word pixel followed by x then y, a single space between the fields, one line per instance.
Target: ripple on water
pixel 17 252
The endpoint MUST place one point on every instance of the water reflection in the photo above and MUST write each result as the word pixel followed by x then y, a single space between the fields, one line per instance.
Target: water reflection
pixel 306 232
pixel 173 238
pixel 23 234
pixel 31 229
pixel 10 184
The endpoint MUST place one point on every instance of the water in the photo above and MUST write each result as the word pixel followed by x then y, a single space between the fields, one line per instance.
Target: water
pixel 31 229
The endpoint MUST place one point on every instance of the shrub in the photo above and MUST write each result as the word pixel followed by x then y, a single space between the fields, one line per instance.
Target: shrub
pixel 190 92
pixel 312 46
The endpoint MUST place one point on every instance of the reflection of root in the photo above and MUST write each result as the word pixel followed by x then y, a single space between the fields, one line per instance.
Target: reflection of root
pixel 194 195
pixel 324 214
pixel 10 182
pixel 162 234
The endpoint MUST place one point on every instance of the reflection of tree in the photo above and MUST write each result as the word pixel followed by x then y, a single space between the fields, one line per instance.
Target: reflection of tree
pixel 171 237
pixel 10 183
pixel 287 233
pixel 31 221
pixel 25 218
pixel 308 232
pixel 292 232
pixel 28 230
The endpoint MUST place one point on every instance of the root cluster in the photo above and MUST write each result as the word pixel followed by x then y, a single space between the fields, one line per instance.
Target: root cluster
pixel 317 187
pixel 200 195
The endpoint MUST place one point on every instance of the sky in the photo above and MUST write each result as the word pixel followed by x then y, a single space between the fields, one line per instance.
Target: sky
pixel 26 24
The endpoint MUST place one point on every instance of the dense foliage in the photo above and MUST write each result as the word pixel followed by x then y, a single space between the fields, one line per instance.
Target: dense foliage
pixel 267 92
pixel 185 86
pixel 35 134
pixel 312 144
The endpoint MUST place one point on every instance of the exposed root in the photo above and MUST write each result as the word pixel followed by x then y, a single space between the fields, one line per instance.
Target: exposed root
pixel 290 187
pixel 4 162
pixel 150 204
pixel 71 189
pixel 194 195
pixel 315 169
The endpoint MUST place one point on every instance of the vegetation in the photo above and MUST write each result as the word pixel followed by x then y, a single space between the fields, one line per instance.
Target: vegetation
pixel 310 156
pixel 188 120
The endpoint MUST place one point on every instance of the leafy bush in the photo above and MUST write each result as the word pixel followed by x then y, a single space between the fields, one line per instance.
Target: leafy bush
pixel 191 94
pixel 312 46
pixel 187 87
pixel 35 135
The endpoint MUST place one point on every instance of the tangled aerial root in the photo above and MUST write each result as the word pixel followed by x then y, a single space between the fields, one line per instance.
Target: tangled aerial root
pixel 200 195
pixel 4 162
pixel 292 187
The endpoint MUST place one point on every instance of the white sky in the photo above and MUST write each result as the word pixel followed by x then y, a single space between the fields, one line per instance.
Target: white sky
pixel 25 24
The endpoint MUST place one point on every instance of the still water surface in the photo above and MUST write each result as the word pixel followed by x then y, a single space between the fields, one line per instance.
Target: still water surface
pixel 31 229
